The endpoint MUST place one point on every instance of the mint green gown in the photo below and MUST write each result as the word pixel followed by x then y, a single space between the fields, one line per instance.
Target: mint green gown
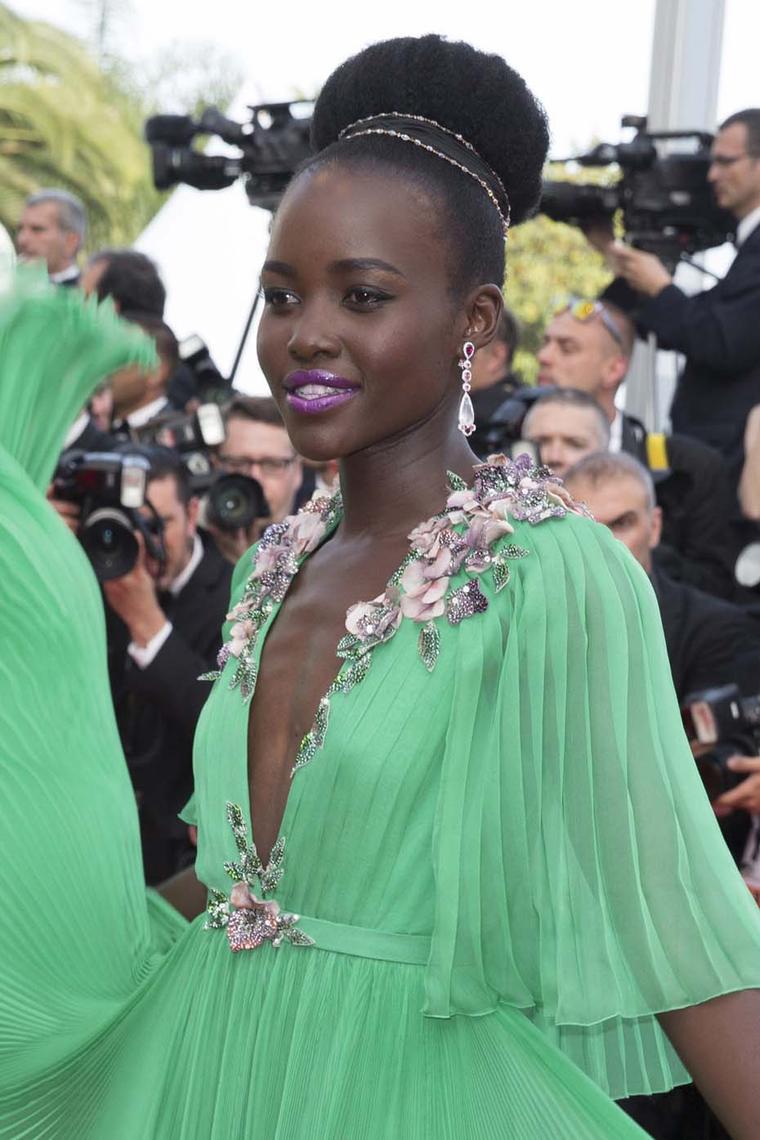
pixel 501 868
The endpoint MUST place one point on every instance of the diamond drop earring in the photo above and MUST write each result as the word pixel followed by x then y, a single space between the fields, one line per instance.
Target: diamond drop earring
pixel 466 422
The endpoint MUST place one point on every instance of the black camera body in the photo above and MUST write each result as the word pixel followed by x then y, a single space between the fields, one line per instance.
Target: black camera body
pixel 210 385
pixel 722 718
pixel 667 204
pixel 110 489
pixel 232 501
pixel 502 432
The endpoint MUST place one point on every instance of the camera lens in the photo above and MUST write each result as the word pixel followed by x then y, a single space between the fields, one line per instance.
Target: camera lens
pixel 235 501
pixel 109 542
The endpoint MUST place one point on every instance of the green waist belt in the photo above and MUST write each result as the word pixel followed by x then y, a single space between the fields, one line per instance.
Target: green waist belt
pixel 414 949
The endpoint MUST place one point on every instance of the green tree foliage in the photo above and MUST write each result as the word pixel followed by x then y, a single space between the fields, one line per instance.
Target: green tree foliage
pixel 64 122
pixel 547 262
pixel 185 76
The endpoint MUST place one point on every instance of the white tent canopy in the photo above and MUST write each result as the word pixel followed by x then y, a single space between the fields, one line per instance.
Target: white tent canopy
pixel 209 247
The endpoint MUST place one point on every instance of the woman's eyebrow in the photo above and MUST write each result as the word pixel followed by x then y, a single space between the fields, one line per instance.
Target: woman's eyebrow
pixel 280 267
pixel 351 264
pixel 344 265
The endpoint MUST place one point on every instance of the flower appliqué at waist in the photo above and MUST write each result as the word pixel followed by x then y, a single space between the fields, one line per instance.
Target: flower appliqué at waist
pixel 251 921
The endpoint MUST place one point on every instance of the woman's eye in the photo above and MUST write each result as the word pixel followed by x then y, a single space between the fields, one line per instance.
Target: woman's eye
pixel 278 298
pixel 364 297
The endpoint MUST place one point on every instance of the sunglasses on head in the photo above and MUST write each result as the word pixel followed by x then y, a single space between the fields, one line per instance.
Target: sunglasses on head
pixel 585 310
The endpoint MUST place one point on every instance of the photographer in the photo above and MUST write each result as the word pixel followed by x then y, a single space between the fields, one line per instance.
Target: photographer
pixel 90 430
pixel 565 425
pixel 717 330
pixel 128 277
pixel 133 283
pixel 587 345
pixel 139 393
pixel 257 445
pixel 164 625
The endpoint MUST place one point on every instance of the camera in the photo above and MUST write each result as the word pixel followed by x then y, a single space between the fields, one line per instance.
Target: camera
pixel 502 433
pixel 721 717
pixel 271 145
pixel 111 489
pixel 667 205
pixel 232 501
pixel 210 385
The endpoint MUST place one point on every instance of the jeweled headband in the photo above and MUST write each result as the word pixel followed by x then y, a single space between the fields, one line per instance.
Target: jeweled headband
pixel 438 140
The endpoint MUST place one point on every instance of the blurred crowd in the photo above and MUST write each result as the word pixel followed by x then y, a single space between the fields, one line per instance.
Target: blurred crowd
pixel 168 475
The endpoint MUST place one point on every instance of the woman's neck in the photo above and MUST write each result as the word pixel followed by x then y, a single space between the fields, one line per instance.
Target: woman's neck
pixel 390 487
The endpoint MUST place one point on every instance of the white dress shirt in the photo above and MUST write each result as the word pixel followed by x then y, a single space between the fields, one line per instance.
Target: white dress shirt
pixel 67 274
pixel 76 429
pixel 745 227
pixel 140 417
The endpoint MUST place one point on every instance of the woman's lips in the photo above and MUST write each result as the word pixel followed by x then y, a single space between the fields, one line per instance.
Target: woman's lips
pixel 316 391
pixel 320 399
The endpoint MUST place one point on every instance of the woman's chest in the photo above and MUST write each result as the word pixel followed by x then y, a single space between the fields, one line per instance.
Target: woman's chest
pixel 298 661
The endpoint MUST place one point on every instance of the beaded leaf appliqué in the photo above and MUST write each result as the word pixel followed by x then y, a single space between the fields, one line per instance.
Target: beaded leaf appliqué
pixel 248 920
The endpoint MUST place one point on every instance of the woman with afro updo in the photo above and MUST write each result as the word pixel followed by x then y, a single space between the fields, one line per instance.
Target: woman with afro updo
pixel 456 878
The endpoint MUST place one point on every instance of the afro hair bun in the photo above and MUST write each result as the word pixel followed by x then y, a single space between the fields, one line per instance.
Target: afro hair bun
pixel 468 91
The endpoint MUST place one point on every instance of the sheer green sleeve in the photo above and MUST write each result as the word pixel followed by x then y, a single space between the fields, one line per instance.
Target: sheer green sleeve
pixel 581 875
pixel 55 348
pixel 189 813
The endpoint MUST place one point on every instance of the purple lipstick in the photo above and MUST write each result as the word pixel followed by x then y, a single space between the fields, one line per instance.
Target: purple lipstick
pixel 315 391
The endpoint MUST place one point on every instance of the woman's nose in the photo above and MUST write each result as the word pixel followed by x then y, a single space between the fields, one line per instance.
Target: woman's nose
pixel 553 456
pixel 313 335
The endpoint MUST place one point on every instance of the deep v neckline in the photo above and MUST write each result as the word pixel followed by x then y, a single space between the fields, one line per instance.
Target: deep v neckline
pixel 281 833
pixel 345 667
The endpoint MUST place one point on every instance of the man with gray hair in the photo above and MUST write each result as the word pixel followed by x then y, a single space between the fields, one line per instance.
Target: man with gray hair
pixel 565 425
pixel 52 229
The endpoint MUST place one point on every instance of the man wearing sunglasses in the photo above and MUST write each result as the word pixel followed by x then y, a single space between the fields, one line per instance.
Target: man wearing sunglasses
pixel 587 346
pixel 718 330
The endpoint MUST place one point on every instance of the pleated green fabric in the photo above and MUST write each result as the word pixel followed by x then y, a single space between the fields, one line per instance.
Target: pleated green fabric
pixel 509 861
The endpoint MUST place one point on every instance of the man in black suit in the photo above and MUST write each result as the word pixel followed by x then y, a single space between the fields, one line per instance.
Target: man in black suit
pixel 718 330
pixel 164 631
pixel 587 347
pixel 51 229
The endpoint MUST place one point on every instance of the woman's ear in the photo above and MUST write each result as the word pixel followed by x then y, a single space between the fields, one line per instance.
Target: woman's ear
pixel 483 308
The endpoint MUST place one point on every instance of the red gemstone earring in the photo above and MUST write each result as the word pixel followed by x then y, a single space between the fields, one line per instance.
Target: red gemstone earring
pixel 466 421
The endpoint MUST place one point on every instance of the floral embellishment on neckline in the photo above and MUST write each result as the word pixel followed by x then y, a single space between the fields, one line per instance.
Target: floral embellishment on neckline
pixel 276 560
pixel 466 536
pixel 421 589
pixel 251 921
